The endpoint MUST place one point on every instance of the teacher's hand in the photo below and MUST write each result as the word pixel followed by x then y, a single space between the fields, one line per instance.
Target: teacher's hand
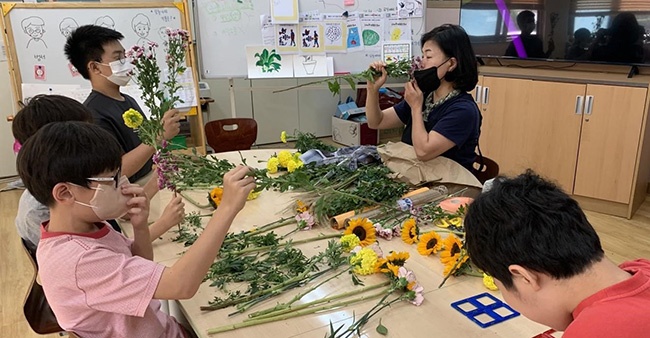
pixel 413 95
pixel 379 80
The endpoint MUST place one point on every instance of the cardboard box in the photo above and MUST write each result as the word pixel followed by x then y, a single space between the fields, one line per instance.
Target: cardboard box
pixel 352 133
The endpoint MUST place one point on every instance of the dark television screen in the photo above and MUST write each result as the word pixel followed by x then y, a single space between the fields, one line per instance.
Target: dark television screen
pixel 613 31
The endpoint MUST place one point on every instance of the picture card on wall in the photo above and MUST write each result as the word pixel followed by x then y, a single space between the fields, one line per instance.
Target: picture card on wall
pixel 336 36
pixel 311 37
pixel 398 29
pixel 284 11
pixel 396 51
pixel 372 30
pixel 409 8
pixel 265 62
pixel 288 38
pixel 354 41
pixel 310 65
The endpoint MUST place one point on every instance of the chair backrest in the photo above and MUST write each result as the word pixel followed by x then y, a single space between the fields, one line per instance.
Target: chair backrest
pixel 489 169
pixel 231 134
pixel 37 311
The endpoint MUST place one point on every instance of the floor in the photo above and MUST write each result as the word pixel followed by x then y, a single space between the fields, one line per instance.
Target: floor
pixel 622 240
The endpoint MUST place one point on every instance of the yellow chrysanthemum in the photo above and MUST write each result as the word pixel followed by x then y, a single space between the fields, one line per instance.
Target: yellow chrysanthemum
pixel 216 195
pixel 272 165
pixel 488 281
pixel 301 207
pixel 410 231
pixel 452 252
pixel 132 118
pixel 365 261
pixel 283 136
pixel 284 156
pixel 430 243
pixel 292 165
pixel 296 156
pixel 363 229
pixel 253 195
pixel 349 242
pixel 398 258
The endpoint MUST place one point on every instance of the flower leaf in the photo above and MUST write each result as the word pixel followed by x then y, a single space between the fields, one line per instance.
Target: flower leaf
pixel 382 330
pixel 351 82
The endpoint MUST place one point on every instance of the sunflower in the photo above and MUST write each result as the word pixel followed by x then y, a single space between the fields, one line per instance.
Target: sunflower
pixel 410 231
pixel 132 118
pixel 430 243
pixel 398 258
pixel 452 252
pixel 363 229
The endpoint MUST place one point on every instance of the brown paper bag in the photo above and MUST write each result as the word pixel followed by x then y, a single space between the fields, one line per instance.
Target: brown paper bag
pixel 401 159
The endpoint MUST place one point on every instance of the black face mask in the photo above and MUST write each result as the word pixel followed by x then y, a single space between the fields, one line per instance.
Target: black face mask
pixel 427 79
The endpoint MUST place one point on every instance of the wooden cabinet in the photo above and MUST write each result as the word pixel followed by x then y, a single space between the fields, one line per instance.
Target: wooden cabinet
pixel 588 138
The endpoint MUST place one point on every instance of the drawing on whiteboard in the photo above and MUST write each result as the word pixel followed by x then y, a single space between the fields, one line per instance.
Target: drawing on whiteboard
pixel 310 39
pixel 309 63
pixel 105 21
pixel 141 26
pixel 370 37
pixel 34 27
pixel 67 25
pixel 162 33
pixel 333 33
pixel 266 61
pixel 353 37
pixel 396 34
pixel 39 72
pixel 409 8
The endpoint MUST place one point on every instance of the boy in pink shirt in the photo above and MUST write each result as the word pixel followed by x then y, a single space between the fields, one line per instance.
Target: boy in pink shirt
pixel 99 283
pixel 548 263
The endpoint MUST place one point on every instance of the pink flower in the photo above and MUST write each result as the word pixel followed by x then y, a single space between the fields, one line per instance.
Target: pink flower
pixel 375 247
pixel 305 220
pixel 382 232
pixel 414 285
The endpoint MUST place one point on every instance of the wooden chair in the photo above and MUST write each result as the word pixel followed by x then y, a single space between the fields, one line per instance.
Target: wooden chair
pixel 231 134
pixel 485 168
pixel 37 311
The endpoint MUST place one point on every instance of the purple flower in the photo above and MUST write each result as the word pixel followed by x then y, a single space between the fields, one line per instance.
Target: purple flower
pixel 305 220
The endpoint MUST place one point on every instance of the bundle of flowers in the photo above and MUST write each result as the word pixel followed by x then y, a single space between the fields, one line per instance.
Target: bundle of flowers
pixel 159 97
pixel 284 161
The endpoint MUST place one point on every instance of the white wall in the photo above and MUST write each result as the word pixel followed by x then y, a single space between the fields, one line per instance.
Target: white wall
pixel 8 164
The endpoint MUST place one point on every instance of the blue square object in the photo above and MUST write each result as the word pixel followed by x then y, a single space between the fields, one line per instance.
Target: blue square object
pixel 485 310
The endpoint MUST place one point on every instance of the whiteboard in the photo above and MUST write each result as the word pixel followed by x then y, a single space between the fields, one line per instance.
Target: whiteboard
pixel 39 31
pixel 226 27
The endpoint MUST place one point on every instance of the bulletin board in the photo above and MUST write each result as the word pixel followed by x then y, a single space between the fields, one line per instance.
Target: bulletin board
pixel 36 34
pixel 226 28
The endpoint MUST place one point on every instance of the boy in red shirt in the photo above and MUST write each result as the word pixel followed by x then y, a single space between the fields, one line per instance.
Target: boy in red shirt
pixel 548 263
pixel 98 282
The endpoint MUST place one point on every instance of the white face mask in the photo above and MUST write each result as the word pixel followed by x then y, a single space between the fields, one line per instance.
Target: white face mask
pixel 108 201
pixel 120 71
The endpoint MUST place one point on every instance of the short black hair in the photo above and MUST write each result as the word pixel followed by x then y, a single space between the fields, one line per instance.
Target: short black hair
pixel 531 222
pixel 454 42
pixel 524 16
pixel 44 109
pixel 86 44
pixel 66 152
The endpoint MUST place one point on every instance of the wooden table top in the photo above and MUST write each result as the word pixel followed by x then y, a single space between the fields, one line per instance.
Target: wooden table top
pixel 434 318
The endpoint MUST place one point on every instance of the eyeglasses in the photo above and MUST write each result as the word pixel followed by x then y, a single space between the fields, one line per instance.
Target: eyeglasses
pixel 115 178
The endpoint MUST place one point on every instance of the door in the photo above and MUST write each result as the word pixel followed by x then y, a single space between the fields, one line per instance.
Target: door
pixel 533 124
pixel 609 142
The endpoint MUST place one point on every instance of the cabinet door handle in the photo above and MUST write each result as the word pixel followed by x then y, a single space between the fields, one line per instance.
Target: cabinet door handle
pixel 477 94
pixel 580 103
pixel 486 95
pixel 589 104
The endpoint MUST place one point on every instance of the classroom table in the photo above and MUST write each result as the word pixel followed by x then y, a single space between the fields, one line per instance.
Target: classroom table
pixel 434 318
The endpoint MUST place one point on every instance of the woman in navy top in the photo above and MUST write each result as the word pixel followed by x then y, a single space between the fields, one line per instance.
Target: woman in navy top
pixel 441 118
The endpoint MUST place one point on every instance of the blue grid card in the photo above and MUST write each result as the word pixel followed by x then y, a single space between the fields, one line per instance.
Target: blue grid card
pixel 485 310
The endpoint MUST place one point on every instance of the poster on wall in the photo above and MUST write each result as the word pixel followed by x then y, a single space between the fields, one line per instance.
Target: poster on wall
pixel 284 11
pixel 265 62
pixel 310 66
pixel 311 33
pixel 287 38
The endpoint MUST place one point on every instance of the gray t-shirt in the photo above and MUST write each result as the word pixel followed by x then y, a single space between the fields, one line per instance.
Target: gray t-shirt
pixel 31 214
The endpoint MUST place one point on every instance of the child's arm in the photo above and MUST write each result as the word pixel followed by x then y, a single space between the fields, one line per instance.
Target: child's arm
pixel 173 214
pixel 182 280
pixel 139 214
